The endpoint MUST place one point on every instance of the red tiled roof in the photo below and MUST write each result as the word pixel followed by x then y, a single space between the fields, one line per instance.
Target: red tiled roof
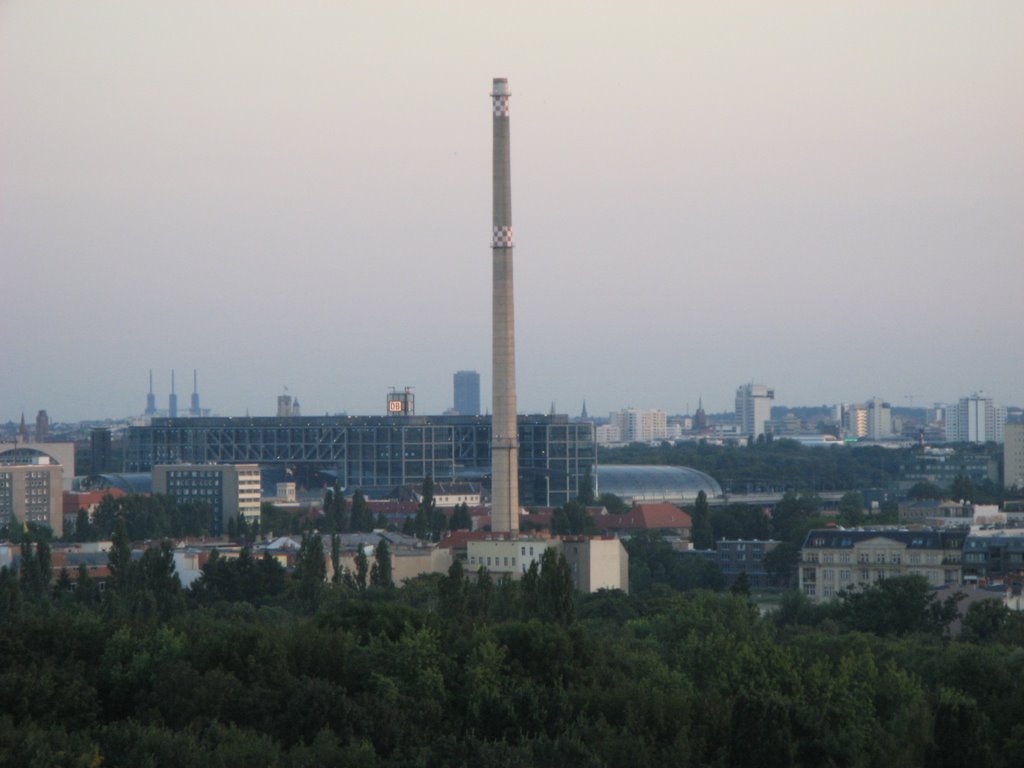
pixel 646 517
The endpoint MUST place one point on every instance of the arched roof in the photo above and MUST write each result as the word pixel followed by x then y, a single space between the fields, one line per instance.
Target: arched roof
pixel 129 482
pixel 647 483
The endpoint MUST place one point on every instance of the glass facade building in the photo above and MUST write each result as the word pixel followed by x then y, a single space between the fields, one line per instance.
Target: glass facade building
pixel 375 452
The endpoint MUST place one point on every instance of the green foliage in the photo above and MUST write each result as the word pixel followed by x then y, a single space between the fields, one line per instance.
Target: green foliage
pixel 898 606
pixel 851 509
pixel 572 519
pixel 653 564
pixel 148 517
pixel 703 532
pixel 380 574
pixel 613 504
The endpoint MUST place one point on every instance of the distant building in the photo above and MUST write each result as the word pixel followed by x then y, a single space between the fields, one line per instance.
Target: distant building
pixel 879 419
pixel 700 418
pixel 1013 456
pixel 942 466
pixel 232 490
pixel 975 419
pixel 101 453
pixel 993 554
pixel 287 406
pixel 666 519
pixel 754 409
pixel 640 425
pixel 608 434
pixel 33 493
pixel 466 386
pixel 834 560
pixel 42 427
pixel 736 556
pixel 595 562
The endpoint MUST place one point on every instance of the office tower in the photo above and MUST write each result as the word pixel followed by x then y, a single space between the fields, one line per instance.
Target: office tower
pixel 754 409
pixel 504 427
pixel 879 419
pixel 467 393
pixel 100 451
pixel 42 427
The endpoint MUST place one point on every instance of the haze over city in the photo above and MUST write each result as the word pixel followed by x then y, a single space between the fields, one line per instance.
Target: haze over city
pixel 826 198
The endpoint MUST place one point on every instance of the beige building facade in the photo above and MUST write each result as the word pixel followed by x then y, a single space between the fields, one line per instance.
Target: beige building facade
pixel 33 493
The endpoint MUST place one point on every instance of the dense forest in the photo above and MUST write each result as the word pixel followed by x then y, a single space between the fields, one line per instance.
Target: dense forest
pixel 253 667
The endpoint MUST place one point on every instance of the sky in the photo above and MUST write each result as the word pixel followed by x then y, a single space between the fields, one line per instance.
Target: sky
pixel 825 197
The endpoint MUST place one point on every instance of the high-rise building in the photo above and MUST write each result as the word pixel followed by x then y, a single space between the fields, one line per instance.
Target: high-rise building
pixel 504 428
pixel 466 385
pixel 287 406
pixel 42 427
pixel 100 451
pixel 879 419
pixel 754 409
pixel 975 419
pixel 1013 456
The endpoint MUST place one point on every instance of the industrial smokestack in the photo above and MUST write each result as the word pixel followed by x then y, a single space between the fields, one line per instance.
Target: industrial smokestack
pixel 150 398
pixel 195 410
pixel 172 401
pixel 504 427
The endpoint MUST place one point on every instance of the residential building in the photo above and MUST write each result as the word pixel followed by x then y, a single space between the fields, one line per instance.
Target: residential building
pixel 608 434
pixel 833 560
pixel 667 519
pixel 736 556
pixel 231 490
pixel 640 425
pixel 33 493
pixel 1013 456
pixel 879 419
pixel 975 419
pixel 993 554
pixel 466 400
pixel 754 409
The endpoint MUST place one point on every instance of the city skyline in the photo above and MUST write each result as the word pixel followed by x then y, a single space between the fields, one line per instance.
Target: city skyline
pixel 705 196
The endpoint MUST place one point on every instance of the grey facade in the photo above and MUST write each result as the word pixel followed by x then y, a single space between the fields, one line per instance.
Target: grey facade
pixel 375 451
pixel 736 556
pixel 466 399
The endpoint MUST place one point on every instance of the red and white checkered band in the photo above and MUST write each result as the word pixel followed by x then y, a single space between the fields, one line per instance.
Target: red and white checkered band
pixel 502 237
pixel 500 106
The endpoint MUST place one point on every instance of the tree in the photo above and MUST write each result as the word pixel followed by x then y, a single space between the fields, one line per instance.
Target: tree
pixel 741 586
pixel 461 520
pixel 556 594
pixel 310 570
pixel 898 606
pixel 335 559
pixel 572 519
pixel 984 620
pixel 703 533
pixel 851 508
pixel 83 528
pixel 361 519
pixel 962 488
pixel 924 490
pixel 586 494
pixel 382 566
pixel 614 504
pixel 362 567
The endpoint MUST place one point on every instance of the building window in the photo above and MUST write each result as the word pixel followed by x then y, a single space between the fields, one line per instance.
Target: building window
pixel 809 590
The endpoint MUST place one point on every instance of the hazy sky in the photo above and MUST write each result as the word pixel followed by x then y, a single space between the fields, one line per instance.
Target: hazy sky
pixel 823 197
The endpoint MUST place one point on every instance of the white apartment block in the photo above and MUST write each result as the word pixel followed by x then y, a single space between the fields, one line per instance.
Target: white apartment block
pixel 754 409
pixel 640 425
pixel 975 419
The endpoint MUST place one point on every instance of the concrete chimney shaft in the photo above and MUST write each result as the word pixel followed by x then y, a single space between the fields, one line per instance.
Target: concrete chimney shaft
pixel 504 425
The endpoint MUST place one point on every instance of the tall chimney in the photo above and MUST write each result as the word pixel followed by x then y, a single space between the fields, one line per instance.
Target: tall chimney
pixel 504 427
pixel 172 401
